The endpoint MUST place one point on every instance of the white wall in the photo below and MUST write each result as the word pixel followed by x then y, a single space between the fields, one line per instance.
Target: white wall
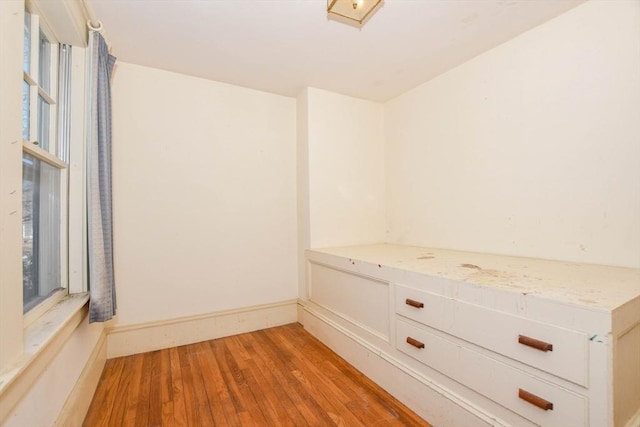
pixel 204 185
pixel 346 169
pixel 531 149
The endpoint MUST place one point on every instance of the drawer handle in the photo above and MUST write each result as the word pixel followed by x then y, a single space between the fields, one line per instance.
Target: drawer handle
pixel 535 400
pixel 414 342
pixel 537 344
pixel 414 303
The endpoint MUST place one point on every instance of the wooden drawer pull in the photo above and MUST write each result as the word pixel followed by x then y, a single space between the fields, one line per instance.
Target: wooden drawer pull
pixel 537 344
pixel 535 400
pixel 414 303
pixel 414 342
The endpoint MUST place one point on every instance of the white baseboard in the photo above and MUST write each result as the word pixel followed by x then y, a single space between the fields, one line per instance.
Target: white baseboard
pixel 140 338
pixel 78 402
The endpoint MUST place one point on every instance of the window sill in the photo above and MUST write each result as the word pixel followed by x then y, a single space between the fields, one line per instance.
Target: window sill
pixel 42 341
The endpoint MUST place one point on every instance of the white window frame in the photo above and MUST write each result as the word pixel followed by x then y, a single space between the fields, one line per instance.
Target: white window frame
pixel 48 155
pixel 26 350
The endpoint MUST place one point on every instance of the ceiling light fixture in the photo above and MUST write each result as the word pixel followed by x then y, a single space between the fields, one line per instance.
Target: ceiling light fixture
pixel 356 11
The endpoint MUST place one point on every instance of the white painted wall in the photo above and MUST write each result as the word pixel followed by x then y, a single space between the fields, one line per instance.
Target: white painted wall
pixel 530 149
pixel 204 187
pixel 346 169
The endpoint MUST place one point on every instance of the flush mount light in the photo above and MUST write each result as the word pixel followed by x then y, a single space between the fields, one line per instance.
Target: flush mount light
pixel 356 11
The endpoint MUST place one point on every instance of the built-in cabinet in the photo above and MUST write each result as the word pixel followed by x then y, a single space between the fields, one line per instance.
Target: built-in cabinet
pixel 476 339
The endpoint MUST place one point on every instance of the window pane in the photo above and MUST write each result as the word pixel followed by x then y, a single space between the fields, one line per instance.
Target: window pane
pixel 43 123
pixel 40 231
pixel 64 103
pixel 25 111
pixel 44 56
pixel 26 48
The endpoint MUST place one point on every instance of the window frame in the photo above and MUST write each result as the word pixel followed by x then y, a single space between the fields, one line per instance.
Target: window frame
pixel 48 153
pixel 26 350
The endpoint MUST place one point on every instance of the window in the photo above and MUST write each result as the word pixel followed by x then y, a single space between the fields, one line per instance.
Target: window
pixel 47 245
pixel 44 173
pixel 40 230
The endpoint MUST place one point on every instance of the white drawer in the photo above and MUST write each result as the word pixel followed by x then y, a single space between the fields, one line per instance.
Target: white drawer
pixel 500 332
pixel 497 381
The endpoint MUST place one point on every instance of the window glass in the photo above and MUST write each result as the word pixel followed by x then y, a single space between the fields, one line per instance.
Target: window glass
pixel 64 103
pixel 25 111
pixel 40 231
pixel 26 48
pixel 43 123
pixel 44 67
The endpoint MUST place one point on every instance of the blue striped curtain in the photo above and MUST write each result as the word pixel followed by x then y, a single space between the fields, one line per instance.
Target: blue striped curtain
pixel 102 305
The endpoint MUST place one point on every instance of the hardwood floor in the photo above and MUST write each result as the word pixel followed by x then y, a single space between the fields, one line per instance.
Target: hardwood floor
pixel 275 377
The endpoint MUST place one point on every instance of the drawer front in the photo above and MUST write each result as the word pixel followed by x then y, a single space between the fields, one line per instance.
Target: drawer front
pixel 558 351
pixel 538 401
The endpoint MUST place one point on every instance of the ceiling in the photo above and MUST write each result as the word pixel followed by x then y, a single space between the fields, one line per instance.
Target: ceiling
pixel 282 46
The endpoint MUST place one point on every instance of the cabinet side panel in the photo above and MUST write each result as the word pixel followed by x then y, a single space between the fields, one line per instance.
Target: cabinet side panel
pixel 626 376
pixel 359 299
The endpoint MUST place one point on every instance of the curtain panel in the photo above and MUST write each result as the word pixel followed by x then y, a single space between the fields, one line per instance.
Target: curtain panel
pixel 102 305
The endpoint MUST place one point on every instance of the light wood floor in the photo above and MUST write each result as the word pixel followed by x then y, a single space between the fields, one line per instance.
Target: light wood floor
pixel 276 377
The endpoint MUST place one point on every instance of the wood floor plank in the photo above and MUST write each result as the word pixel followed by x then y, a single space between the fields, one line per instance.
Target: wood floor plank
pixel 271 409
pixel 373 398
pixel 219 387
pixel 275 377
pixel 288 414
pixel 314 403
pixel 119 409
pixel 229 377
pixel 190 402
pixel 344 407
pixel 273 362
pixel 133 395
pixel 204 414
pixel 166 389
pixel 240 385
pixel 177 391
pixel 209 384
pixel 154 415
pixel 105 395
pixel 144 391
